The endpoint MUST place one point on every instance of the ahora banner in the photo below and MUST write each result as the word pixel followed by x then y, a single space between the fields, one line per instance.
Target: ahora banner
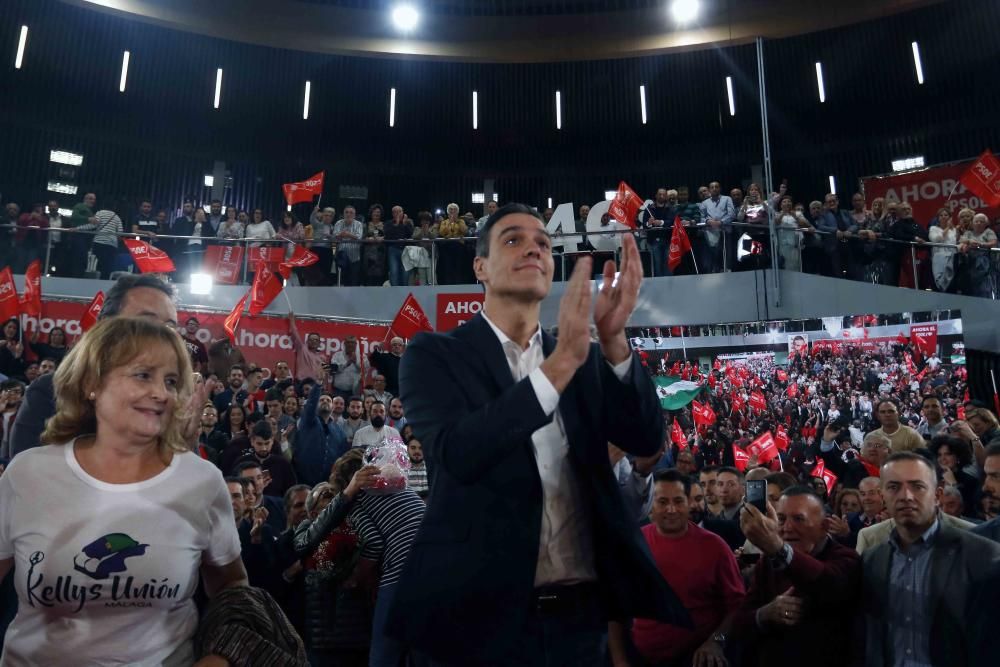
pixel 927 190
pixel 263 340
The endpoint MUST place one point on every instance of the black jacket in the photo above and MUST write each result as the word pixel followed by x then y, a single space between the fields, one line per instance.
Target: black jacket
pixel 38 404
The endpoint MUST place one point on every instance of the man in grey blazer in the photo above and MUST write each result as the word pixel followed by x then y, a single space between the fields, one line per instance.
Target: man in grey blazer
pixel 930 590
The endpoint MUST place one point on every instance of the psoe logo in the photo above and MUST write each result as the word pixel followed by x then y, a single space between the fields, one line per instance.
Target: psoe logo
pixel 106 555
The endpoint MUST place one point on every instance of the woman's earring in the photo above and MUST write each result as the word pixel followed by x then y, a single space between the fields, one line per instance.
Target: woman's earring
pixel 93 396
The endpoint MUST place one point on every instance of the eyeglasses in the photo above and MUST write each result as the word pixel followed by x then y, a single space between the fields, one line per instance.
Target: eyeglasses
pixel 327 495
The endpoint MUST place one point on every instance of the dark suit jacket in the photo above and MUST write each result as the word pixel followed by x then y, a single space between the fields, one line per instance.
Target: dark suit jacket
pixel 830 584
pixel 965 587
pixel 729 531
pixel 467 587
pixel 38 405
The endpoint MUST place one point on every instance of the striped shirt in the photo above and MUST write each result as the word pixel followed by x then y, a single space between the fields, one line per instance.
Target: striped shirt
pixel 910 610
pixel 108 226
pixel 396 517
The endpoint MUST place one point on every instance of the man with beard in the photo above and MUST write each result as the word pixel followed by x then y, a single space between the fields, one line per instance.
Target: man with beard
pixel 417 477
pixel 310 362
pixel 700 568
pixel 376 432
pixel 396 418
pixel 387 363
pixel 319 442
pixel 355 418
pixel 278 471
pixel 991 490
pixel 210 441
pixel 345 365
pixel 199 355
pixel 234 393
pixel 709 478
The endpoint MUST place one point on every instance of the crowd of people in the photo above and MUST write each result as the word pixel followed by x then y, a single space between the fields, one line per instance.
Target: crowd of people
pixel 208 469
pixel 870 241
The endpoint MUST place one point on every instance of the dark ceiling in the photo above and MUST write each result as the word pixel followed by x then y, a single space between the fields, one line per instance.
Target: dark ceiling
pixel 500 7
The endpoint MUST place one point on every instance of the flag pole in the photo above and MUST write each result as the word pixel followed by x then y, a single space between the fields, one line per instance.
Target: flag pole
pixel 695 261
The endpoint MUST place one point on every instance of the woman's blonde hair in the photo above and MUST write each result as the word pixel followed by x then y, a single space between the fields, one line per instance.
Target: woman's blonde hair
pixel 111 344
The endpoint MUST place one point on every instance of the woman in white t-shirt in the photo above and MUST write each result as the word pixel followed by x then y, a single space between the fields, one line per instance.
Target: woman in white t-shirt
pixel 259 228
pixel 110 525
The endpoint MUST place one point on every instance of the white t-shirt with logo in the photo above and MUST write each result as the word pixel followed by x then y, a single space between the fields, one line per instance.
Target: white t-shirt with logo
pixel 105 573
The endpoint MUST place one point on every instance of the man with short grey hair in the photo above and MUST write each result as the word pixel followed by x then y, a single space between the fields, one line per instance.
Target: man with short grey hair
pixel 347 233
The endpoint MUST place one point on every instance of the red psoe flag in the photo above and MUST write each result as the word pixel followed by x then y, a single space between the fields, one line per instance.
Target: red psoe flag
pixel 740 458
pixel 677 435
pixel 10 306
pixel 781 375
pixel 781 439
pixel 826 475
pixel 793 390
pixel 757 401
pixel 233 318
pixel 266 286
pixel 31 300
pixel 224 262
pixel 304 191
pixel 410 320
pixel 737 403
pixel 625 206
pixel 93 311
pixel 983 178
pixel 300 258
pixel 148 258
pixel 702 413
pixel 764 448
pixel 679 244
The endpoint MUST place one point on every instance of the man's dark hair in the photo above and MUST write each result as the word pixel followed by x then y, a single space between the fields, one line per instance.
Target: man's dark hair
pixel 274 394
pixel 731 470
pixel 234 479
pixel 709 469
pixel 236 367
pixel 911 456
pixel 251 370
pixel 262 429
pixel 115 298
pixel 11 384
pixel 355 398
pixel 782 480
pixel 292 490
pixel 673 475
pixel 878 406
pixel 483 242
pixel 992 450
pixel 801 490
pixel 929 397
pixel 246 465
pixel 215 201
pixel 254 417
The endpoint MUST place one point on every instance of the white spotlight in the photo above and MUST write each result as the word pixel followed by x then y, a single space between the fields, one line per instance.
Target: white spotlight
pixel 732 99
pixel 218 86
pixel 405 17
pixel 558 110
pixel 684 11
pixel 201 283
pixel 21 43
pixel 124 77
pixel 550 202
pixel 392 107
pixel 833 185
pixel 475 110
pixel 642 102
pixel 65 157
pixel 820 87
pixel 209 180
pixel 305 102
pixel 610 194
pixel 917 64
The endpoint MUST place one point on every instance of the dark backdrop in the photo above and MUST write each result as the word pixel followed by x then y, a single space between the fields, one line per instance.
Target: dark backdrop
pixel 162 135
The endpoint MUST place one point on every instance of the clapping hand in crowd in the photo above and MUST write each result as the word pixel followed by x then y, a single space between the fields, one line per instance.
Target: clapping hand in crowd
pixel 260 515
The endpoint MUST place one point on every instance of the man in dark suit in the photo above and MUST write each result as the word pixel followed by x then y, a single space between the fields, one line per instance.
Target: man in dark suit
pixel 526 550
pixel 930 592
pixel 991 487
pixel 804 590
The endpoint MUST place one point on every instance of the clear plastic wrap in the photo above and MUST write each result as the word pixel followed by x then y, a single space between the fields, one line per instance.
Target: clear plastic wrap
pixel 393 461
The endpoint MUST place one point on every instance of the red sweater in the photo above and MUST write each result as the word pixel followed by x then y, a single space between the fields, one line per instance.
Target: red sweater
pixel 701 569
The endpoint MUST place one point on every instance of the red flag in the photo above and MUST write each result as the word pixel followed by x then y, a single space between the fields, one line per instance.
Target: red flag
pixel 625 206
pixel 410 320
pixel 703 415
pixel 9 303
pixel 983 178
pixel 675 370
pixel 960 411
pixel 31 301
pixel 299 259
pixel 677 435
pixel 737 403
pixel 736 381
pixel 781 375
pixel 826 475
pixel 225 262
pixel 305 190
pixel 757 401
pixel 679 244
pixel 744 372
pixel 90 316
pixel 711 380
pixel 740 458
pixel 781 438
pixel 793 390
pixel 764 448
pixel 901 339
pixel 270 256
pixel 266 286
pixel 717 365
pixel 233 318
pixel 148 258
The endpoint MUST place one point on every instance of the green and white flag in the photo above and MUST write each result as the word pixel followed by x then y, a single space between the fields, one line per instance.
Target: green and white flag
pixel 674 392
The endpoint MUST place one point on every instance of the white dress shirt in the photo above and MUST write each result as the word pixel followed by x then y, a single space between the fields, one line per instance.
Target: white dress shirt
pixel 565 547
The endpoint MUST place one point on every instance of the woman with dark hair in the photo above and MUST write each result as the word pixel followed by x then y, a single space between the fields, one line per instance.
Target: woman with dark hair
pixel 12 363
pixel 233 423
pixel 54 348
pixel 952 455
pixel 374 255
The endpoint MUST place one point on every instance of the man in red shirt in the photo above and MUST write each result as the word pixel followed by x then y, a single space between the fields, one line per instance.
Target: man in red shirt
pixel 700 569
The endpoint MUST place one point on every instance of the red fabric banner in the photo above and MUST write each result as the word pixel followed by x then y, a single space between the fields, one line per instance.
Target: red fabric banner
pixel 10 306
pixel 31 300
pixel 702 414
pixel 781 438
pixel 677 435
pixel 233 319
pixel 924 337
pixel 740 458
pixel 927 190
pixel 764 448
pixel 304 191
pixel 147 258
pixel 983 178
pixel 93 311
pixel 679 244
pixel 793 390
pixel 410 320
pixel 270 256
pixel 826 475
pixel 625 206
pixel 225 262
pixel 781 375
pixel 737 403
pixel 757 401
pixel 266 286
pixel 300 258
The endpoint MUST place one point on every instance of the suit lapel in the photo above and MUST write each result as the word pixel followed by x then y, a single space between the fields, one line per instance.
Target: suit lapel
pixel 943 562
pixel 483 348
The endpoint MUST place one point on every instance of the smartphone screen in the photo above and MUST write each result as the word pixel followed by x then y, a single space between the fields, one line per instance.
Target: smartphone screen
pixel 756 494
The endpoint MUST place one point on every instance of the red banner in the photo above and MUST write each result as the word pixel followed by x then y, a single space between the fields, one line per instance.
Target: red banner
pixel 410 320
pixel 679 244
pixel 927 191
pixel 263 340
pixel 90 315
pixel 983 178
pixel 924 337
pixel 232 320
pixel 266 286
pixel 826 475
pixel 757 401
pixel 703 414
pixel 740 458
pixel 270 255
pixel 300 258
pixel 456 309
pixel 872 344
pixel 304 191
pixel 677 435
pixel 10 306
pixel 624 208
pixel 225 262
pixel 31 300
pixel 781 438
pixel 148 259
pixel 764 448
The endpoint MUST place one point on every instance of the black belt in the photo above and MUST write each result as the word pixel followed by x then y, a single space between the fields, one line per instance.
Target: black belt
pixel 550 600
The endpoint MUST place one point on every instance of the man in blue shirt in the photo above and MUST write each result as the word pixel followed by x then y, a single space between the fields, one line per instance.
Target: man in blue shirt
pixel 718 212
pixel 837 225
